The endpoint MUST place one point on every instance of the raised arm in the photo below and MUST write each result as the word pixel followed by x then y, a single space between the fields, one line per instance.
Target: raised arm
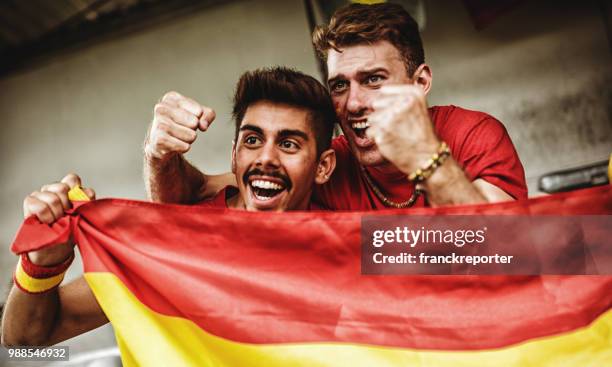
pixel 168 176
pixel 38 314
pixel 404 133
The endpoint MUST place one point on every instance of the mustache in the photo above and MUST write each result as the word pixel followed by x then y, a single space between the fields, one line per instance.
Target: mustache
pixel 259 172
pixel 357 115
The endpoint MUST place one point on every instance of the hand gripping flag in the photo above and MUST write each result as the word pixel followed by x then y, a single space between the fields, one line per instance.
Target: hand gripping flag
pixel 191 286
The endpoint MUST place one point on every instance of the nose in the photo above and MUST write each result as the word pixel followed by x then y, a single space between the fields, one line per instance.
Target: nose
pixel 357 102
pixel 269 156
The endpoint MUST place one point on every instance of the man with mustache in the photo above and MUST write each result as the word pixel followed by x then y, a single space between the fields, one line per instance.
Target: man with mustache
pixel 396 152
pixel 284 121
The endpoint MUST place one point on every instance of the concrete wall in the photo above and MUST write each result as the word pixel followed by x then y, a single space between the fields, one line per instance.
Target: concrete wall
pixel 543 69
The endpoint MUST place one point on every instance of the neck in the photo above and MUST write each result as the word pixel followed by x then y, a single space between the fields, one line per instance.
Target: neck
pixel 235 202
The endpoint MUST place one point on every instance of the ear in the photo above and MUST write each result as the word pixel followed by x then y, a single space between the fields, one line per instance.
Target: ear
pixel 233 156
pixel 326 166
pixel 423 77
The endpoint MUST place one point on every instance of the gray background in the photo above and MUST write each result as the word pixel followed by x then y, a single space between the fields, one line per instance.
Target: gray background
pixel 542 69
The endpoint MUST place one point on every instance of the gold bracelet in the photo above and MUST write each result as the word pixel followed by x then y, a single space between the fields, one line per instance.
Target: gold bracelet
pixel 434 162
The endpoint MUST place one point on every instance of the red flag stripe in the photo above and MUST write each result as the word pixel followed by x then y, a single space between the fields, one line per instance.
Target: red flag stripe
pixel 295 277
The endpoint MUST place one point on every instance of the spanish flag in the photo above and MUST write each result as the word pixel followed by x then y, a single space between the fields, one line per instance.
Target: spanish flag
pixel 191 286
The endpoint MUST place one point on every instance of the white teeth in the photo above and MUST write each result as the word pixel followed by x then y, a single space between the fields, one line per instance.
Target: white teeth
pixel 360 125
pixel 262 184
pixel 263 198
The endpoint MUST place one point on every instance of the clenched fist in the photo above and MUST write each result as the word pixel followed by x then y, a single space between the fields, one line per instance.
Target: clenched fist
pixel 402 128
pixel 176 120
pixel 48 205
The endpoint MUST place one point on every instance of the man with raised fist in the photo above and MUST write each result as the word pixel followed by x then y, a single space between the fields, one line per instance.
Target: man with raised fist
pixel 175 121
pixel 395 152
pixel 284 121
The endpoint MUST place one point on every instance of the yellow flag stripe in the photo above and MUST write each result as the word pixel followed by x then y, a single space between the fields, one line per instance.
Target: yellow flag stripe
pixel 147 338
pixel 34 285
pixel 77 194
pixel 368 2
pixel 610 170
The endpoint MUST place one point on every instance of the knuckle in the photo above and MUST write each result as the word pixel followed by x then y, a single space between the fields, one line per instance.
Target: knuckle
pixel 170 95
pixel 71 180
pixel 63 197
pixel 54 199
pixel 162 141
pixel 156 144
pixel 45 215
pixel 28 200
pixel 41 196
pixel 191 136
pixel 163 126
pixel 39 209
pixel 56 187
pixel 183 147
pixel 191 120
pixel 90 192
pixel 63 187
pixel 155 125
pixel 159 109
pixel 192 106
pixel 72 177
pixel 209 114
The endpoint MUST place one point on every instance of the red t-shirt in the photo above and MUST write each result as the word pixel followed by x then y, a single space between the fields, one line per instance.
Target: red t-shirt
pixel 478 142
pixel 220 199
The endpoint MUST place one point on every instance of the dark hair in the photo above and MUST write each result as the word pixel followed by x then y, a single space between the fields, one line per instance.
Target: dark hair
pixel 290 87
pixel 359 23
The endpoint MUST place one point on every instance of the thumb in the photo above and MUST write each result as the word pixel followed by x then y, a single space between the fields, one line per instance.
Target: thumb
pixel 72 180
pixel 208 116
pixel 91 194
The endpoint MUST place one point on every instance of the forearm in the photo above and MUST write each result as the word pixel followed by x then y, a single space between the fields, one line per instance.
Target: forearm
pixel 449 185
pixel 38 311
pixel 29 318
pixel 52 317
pixel 173 180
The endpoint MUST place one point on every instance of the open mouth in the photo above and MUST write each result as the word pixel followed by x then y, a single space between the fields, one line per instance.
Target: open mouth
pixel 265 190
pixel 360 127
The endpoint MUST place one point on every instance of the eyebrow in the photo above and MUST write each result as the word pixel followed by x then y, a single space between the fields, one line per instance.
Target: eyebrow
pixel 282 134
pixel 253 128
pixel 288 132
pixel 372 71
pixel 334 79
pixel 359 74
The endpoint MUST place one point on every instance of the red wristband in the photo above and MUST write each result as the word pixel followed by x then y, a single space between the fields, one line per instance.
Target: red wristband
pixel 42 272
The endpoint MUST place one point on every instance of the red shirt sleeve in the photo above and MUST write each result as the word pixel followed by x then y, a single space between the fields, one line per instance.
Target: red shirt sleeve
pixel 482 147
